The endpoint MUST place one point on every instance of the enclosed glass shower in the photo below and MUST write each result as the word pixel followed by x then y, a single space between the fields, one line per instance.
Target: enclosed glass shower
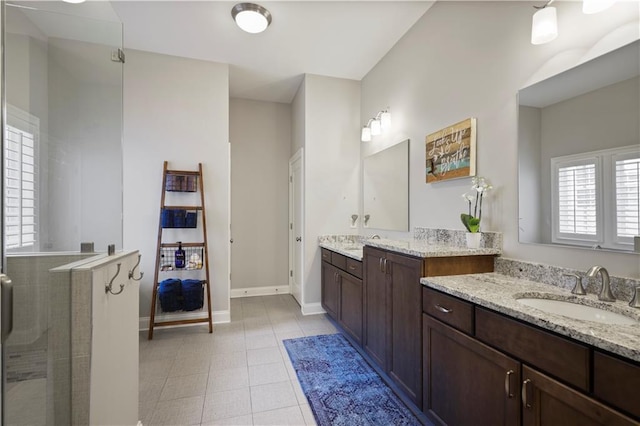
pixel 61 188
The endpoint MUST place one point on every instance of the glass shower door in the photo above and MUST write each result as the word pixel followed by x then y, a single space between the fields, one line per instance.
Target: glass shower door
pixel 62 188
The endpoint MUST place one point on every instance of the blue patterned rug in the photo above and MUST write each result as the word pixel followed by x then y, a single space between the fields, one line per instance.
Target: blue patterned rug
pixel 341 387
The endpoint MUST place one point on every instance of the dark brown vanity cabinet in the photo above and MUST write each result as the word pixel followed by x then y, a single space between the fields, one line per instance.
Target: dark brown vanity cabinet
pixel 342 291
pixel 548 402
pixel 392 317
pixel 484 368
pixel 467 382
pixel 393 310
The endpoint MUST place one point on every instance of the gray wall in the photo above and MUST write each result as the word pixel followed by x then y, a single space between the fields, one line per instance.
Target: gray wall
pixel 469 59
pixel 260 134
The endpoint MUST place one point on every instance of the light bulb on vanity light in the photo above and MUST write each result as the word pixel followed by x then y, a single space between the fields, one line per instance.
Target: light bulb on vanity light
pixel 385 121
pixel 594 6
pixel 366 134
pixel 376 127
pixel 544 27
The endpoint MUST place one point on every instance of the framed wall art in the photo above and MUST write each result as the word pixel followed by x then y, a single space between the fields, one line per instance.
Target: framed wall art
pixel 451 152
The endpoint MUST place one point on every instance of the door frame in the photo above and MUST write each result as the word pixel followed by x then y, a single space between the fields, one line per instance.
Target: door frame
pixel 298 156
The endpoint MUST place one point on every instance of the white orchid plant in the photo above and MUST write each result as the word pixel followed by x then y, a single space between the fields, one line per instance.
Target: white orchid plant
pixel 479 188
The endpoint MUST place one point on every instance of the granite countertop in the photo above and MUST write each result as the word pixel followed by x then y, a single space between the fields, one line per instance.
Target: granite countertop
pixel 423 248
pixel 499 293
pixel 348 248
pixel 417 248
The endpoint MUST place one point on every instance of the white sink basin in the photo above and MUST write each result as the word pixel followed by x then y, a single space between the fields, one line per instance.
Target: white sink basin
pixel 576 311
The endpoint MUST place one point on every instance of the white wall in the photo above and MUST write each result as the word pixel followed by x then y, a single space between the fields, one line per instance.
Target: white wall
pixel 260 134
pixel 332 167
pixel 468 59
pixel 176 109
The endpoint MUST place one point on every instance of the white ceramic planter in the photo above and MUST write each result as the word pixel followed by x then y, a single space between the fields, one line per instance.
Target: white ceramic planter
pixel 473 239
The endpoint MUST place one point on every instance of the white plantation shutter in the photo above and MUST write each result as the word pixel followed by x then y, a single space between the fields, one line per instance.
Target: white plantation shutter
pixel 627 195
pixel 20 188
pixel 577 199
pixel 577 211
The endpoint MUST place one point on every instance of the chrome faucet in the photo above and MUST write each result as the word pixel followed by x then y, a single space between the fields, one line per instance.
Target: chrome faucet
pixel 605 291
pixel 375 237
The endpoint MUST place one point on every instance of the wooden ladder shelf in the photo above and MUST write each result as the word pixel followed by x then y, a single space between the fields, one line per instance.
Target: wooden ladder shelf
pixel 162 246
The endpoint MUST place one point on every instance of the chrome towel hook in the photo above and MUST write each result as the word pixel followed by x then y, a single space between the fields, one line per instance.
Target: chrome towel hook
pixel 131 272
pixel 109 287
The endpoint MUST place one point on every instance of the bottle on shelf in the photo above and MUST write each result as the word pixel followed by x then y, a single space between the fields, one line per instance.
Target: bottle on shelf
pixel 180 256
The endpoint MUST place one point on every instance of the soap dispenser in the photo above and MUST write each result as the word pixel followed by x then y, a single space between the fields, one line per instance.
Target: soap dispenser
pixel 180 256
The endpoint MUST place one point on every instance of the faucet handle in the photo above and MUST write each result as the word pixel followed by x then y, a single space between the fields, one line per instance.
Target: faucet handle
pixel 577 288
pixel 635 301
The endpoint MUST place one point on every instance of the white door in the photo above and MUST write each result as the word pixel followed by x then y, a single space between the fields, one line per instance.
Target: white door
pixel 296 209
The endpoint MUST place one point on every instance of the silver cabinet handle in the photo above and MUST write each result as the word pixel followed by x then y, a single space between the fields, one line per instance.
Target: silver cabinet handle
pixel 6 293
pixel 384 266
pixel 380 265
pixel 507 384
pixel 443 309
pixel 525 398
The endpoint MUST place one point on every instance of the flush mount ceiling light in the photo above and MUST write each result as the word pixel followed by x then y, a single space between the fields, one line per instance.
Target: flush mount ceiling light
pixel 251 17
pixel 381 123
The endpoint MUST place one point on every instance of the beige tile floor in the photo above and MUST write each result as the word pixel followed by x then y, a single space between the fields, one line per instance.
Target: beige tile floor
pixel 239 375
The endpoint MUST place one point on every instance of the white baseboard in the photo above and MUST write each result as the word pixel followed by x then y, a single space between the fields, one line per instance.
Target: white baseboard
pixel 219 317
pixel 312 309
pixel 259 291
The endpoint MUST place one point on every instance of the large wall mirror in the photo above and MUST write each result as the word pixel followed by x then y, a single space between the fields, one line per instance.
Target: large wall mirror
pixel 386 188
pixel 579 155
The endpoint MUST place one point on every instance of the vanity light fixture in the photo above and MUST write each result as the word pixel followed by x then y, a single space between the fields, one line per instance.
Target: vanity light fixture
pixel 379 124
pixel 251 17
pixel 366 134
pixel 544 27
pixel 74 1
pixel 376 127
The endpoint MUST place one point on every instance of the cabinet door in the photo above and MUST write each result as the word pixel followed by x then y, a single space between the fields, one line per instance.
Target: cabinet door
pixel 467 382
pixel 376 327
pixel 330 289
pixel 548 402
pixel 351 305
pixel 406 324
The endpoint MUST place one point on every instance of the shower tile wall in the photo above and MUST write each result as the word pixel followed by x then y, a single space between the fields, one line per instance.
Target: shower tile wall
pixel 37 351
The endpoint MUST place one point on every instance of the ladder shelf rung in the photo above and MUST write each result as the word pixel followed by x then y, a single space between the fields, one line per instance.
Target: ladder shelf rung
pixel 169 245
pixel 182 207
pixel 183 172
pixel 180 322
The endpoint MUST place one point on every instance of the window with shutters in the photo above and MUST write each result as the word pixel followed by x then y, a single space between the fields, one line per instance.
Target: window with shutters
pixel 596 198
pixel 627 193
pixel 20 180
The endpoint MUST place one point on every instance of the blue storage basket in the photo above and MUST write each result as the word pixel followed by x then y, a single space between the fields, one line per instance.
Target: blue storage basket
pixel 167 218
pixel 193 294
pixel 179 218
pixel 170 295
pixel 191 220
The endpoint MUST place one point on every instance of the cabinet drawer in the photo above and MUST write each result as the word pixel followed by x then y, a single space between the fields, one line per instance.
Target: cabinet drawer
pixel 354 267
pixel 326 255
pixel 448 309
pixel 338 260
pixel 616 382
pixel 560 357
